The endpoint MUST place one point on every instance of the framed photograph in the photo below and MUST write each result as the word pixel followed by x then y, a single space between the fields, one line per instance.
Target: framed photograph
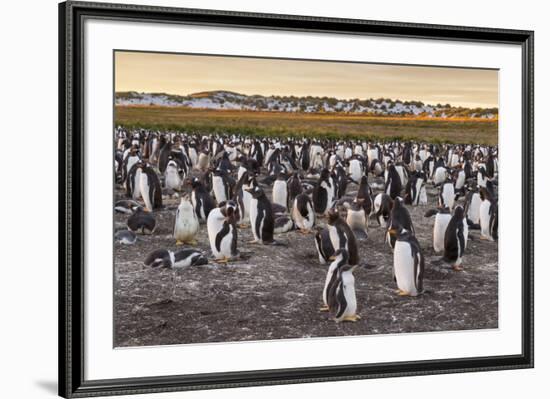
pixel 253 199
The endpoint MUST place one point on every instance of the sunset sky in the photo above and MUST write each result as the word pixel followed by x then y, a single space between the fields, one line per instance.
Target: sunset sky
pixel 186 74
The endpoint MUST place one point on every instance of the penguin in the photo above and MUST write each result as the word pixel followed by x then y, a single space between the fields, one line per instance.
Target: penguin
pixel 222 232
pixel 408 264
pixel 382 208
pixel 324 245
pixel 415 190
pixel 355 169
pixel 126 237
pixel 341 236
pixel 126 206
pixel 283 224
pixel 303 213
pixel 242 197
pixel 342 300
pixel 339 258
pixel 261 217
pixel 294 185
pixel 203 162
pixel 150 188
pixel 141 221
pixel 175 259
pixel 488 215
pixel 133 189
pixel 447 195
pixel 440 175
pixel 472 207
pixel 399 218
pixel 393 183
pixel 357 219
pixel 280 191
pixel 456 239
pixel 323 193
pixel 364 195
pixel 442 218
pixel 186 225
pixel 172 179
pixel 201 199
pixel 221 185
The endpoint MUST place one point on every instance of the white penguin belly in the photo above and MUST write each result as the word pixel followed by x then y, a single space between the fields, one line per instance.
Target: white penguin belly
pixel 187 226
pixel 253 217
pixel 473 209
pixel 136 195
pixel 144 188
pixel 403 264
pixel 355 171
pixel 484 219
pixel 356 220
pixel 440 175
pixel 173 180
pixel 440 226
pixel 280 193
pixel 349 293
pixel 448 196
pixel 219 189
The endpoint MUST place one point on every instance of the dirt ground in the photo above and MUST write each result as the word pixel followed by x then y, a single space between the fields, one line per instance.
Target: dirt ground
pixel 276 293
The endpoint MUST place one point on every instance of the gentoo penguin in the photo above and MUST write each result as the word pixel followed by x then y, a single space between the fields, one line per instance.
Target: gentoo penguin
pixel 399 218
pixel 472 206
pixel 355 169
pixel 175 259
pixel 488 215
pixel 294 185
pixel 221 185
pixel 203 162
pixel 442 218
pixel 222 232
pixel 341 236
pixel 393 182
pixel 151 191
pixel 364 195
pixel 172 178
pixel 261 217
pixel 416 190
pixel 408 264
pixel 283 224
pixel 382 208
pixel 303 214
pixel 201 199
pixel 126 206
pixel 456 239
pixel 357 218
pixel 323 193
pixel 440 175
pixel 242 197
pixel 324 245
pixel 141 221
pixel 342 301
pixel 127 237
pixel 447 195
pixel 133 189
pixel 186 225
pixel 280 191
pixel 339 259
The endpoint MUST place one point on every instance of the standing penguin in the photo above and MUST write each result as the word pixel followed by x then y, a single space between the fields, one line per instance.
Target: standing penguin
pixel 261 217
pixel 456 239
pixel 399 217
pixel 172 179
pixel 222 232
pixel 186 225
pixel 342 301
pixel 324 245
pixel 201 199
pixel 294 185
pixel 364 195
pixel 303 214
pixel 393 182
pixel 323 193
pixel 472 207
pixel 416 190
pixel 442 218
pixel 488 215
pixel 357 218
pixel 280 191
pixel 221 185
pixel 341 236
pixel 150 189
pixel 382 208
pixel 408 264
pixel 340 258
pixel 447 195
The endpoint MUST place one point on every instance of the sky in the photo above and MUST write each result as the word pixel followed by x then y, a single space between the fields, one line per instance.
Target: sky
pixel 186 74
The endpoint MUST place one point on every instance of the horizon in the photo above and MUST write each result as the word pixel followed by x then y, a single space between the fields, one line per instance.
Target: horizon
pixel 184 75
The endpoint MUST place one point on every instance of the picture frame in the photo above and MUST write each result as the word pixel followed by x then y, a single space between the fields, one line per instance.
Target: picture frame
pixel 72 207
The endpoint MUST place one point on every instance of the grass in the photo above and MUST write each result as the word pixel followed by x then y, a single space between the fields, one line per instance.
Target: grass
pixel 328 125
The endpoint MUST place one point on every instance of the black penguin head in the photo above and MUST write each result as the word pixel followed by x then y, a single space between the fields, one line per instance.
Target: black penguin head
pixel 256 191
pixel 459 212
pixel 333 216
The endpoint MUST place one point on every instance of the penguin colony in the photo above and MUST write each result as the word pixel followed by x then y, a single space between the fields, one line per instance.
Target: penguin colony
pixel 225 184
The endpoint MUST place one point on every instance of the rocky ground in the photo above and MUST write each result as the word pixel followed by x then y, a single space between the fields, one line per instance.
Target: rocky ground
pixel 276 293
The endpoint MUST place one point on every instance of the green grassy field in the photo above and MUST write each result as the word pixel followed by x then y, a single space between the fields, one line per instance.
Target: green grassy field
pixel 480 131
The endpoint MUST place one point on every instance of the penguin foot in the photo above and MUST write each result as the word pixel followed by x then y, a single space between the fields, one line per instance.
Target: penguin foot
pixel 304 231
pixel 403 293
pixel 458 268
pixel 244 226
pixel 324 309
pixel 353 318
pixel 191 242
pixel 222 260
pixel 178 242
pixel 254 242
